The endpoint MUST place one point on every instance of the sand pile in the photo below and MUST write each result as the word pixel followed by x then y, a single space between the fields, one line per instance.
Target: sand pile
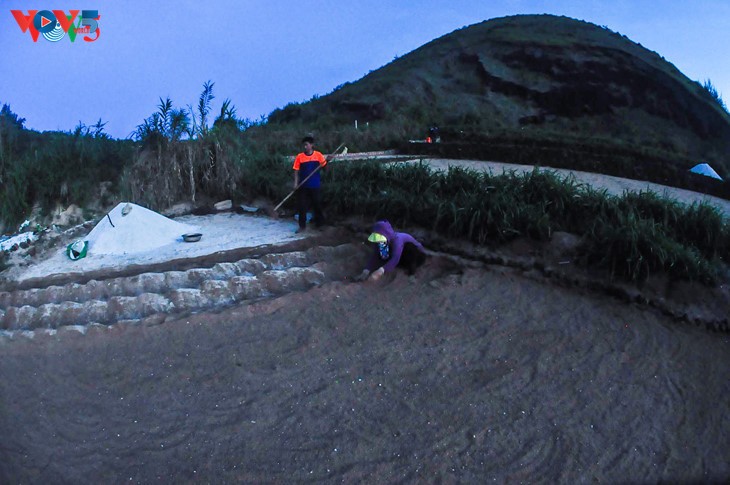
pixel 130 228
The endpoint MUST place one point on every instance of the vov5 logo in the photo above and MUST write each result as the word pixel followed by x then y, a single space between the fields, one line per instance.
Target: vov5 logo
pixel 54 25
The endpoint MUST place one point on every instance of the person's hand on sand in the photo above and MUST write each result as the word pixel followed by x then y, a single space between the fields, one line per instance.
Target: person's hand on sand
pixel 375 275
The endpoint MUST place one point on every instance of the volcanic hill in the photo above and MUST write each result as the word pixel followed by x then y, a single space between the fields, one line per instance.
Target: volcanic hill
pixel 572 88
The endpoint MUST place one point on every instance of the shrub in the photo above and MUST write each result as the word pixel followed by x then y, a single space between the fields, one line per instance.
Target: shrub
pixel 53 167
pixel 179 156
pixel 714 93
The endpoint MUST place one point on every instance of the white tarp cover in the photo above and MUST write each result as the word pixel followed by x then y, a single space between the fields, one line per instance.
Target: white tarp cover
pixel 705 169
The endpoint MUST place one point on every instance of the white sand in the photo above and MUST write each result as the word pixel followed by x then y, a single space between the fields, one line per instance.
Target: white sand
pixel 28 237
pixel 146 237
pixel 138 231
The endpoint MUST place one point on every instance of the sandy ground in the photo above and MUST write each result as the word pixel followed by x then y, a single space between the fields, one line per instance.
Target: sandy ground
pixel 465 373
pixel 458 375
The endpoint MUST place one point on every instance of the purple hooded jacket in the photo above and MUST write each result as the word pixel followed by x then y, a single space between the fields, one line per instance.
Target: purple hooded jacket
pixel 396 241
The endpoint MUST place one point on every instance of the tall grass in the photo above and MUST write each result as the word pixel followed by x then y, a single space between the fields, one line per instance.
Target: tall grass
pixel 180 156
pixel 631 237
pixel 54 167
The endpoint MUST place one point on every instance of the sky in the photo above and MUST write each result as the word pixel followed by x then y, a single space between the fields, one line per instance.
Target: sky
pixel 263 55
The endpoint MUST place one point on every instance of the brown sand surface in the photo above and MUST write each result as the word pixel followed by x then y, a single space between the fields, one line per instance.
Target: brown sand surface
pixel 460 374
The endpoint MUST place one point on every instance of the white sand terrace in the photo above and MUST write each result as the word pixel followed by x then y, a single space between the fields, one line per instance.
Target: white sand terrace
pixel 146 237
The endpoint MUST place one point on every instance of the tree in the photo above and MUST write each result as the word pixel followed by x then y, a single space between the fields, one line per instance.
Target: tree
pixel 710 88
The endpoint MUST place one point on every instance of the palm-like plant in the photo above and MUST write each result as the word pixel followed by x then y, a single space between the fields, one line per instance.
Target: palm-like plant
pixel 204 107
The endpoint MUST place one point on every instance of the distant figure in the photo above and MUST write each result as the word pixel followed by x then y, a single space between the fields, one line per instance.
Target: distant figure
pixel 391 249
pixel 433 135
pixel 309 163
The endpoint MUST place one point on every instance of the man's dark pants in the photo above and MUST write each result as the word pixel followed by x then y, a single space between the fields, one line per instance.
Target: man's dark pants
pixel 306 198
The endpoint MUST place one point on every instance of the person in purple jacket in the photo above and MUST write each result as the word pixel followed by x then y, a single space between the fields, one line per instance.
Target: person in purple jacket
pixel 390 250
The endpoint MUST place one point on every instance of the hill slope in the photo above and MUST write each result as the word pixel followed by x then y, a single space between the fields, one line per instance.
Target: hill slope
pixel 536 77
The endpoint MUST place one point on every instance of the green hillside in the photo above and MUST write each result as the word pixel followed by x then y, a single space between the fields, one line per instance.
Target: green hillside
pixel 534 79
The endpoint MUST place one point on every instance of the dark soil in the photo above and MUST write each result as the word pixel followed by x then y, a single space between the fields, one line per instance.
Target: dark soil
pixel 467 372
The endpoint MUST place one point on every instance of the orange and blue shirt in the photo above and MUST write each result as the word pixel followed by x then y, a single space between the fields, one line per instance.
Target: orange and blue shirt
pixel 306 164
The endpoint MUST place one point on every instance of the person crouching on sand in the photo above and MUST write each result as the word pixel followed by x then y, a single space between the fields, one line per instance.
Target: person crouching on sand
pixel 391 249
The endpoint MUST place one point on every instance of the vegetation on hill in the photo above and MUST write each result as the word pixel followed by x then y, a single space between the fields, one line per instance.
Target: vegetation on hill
pixel 538 80
pixel 52 168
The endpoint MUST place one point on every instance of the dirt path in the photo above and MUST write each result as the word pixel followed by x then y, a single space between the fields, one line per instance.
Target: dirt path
pixel 458 375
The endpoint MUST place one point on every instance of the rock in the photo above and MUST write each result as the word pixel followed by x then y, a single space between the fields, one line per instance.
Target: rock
pixel 224 205
pixel 177 210
pixel 70 216
pixel 246 208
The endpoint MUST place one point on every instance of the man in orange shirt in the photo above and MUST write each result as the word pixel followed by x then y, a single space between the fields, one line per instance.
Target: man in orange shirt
pixel 305 164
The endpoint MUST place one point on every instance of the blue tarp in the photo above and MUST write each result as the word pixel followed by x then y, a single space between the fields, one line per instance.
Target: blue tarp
pixel 704 169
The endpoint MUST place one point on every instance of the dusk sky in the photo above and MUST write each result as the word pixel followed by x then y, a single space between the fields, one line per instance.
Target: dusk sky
pixel 264 54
